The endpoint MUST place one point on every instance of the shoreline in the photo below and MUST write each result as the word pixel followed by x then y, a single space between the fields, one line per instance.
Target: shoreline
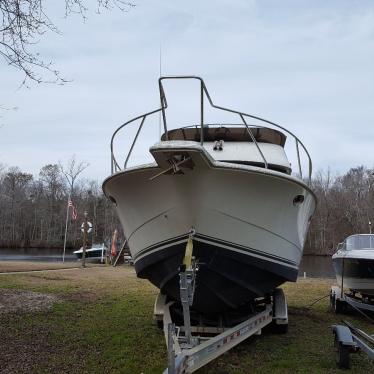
pixel 13 267
pixel 58 250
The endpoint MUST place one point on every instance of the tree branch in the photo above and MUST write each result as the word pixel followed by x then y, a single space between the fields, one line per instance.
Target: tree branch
pixel 23 21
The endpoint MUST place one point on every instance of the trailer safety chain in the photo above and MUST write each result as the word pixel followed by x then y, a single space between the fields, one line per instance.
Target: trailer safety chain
pixel 316 301
pixel 357 309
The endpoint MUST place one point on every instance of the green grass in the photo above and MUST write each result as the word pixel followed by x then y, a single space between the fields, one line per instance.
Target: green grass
pixel 103 324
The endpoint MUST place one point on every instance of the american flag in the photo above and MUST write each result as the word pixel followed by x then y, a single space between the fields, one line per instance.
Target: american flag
pixel 74 213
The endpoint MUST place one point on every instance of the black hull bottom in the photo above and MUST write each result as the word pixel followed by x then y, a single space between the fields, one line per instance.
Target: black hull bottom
pixel 226 280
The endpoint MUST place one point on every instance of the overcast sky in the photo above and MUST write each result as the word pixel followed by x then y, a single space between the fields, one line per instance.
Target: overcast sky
pixel 307 65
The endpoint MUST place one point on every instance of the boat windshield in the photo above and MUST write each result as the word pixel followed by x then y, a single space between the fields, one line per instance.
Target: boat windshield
pixel 365 241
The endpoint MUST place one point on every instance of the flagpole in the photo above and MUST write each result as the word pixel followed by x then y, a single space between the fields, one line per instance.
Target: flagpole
pixel 159 114
pixel 66 228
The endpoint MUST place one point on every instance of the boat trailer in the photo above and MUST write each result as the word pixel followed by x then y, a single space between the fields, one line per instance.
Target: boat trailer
pixel 349 339
pixel 341 301
pixel 192 346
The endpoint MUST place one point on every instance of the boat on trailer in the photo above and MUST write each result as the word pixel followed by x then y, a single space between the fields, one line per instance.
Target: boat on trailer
pixel 353 264
pixel 230 188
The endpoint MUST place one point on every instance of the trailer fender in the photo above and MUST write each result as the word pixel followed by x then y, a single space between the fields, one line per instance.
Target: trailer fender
pixel 343 335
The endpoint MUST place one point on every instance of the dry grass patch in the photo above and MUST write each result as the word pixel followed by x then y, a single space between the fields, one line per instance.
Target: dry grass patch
pixel 17 301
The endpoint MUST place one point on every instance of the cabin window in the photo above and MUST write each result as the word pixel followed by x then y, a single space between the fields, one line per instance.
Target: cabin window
pixel 360 242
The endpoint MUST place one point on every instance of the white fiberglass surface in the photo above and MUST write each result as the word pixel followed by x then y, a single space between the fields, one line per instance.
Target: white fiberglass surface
pixel 248 152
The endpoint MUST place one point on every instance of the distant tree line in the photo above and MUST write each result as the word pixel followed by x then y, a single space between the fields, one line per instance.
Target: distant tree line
pixel 33 209
pixel 345 206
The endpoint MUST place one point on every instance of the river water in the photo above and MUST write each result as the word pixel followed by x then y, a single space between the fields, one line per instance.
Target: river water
pixel 36 254
pixel 316 267
pixel 313 266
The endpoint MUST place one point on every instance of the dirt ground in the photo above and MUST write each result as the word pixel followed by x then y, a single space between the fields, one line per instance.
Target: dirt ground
pixel 16 301
pixel 53 321
pixel 87 283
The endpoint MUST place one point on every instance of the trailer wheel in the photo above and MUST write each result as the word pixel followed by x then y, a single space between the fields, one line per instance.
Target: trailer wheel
pixel 160 324
pixel 280 329
pixel 341 354
pixel 338 306
pixel 332 300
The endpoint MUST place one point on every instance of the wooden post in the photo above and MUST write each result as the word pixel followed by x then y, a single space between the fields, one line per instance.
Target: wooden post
pixel 66 227
pixel 85 228
pixel 120 252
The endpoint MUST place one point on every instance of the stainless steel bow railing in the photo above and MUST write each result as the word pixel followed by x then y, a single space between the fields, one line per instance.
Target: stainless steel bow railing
pixel 115 167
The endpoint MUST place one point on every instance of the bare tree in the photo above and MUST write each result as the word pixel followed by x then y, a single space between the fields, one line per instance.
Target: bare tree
pixel 51 187
pixel 24 21
pixel 15 189
pixel 2 168
pixel 51 178
pixel 71 171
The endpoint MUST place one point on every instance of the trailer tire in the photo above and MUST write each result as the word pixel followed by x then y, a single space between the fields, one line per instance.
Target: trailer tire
pixel 341 354
pixel 160 324
pixel 338 306
pixel 280 329
pixel 332 301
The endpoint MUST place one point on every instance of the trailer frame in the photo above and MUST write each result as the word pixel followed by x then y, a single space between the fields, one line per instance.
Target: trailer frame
pixel 340 300
pixel 191 346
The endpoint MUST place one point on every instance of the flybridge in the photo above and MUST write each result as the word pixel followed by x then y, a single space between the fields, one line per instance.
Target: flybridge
pixel 204 132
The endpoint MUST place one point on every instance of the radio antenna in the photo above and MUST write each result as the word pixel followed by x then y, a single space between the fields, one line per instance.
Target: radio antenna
pixel 160 72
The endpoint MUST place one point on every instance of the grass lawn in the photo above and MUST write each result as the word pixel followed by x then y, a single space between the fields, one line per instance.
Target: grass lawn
pixel 102 323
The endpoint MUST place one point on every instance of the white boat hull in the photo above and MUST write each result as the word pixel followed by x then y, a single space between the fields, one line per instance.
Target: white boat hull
pixel 249 232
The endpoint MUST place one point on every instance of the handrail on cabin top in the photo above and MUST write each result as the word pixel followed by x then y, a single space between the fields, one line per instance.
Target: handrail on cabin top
pixel 203 91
